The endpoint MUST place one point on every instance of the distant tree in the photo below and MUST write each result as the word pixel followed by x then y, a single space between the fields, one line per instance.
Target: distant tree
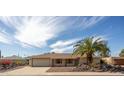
pixel 121 53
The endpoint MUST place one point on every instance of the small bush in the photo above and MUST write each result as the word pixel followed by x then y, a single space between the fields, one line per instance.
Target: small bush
pixel 21 62
pixel 77 63
pixel 6 62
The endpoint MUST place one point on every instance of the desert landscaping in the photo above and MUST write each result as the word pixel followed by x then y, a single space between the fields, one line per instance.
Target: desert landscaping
pixel 81 62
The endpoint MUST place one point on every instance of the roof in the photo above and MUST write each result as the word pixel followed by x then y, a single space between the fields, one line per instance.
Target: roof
pixel 12 57
pixel 118 57
pixel 56 56
pixel 114 57
pixel 59 56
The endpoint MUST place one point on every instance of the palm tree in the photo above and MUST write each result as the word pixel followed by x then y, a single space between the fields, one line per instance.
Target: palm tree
pixel 121 53
pixel 105 51
pixel 89 46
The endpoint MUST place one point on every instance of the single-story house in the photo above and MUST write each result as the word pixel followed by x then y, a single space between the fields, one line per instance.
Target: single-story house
pixel 114 60
pixel 14 59
pixel 57 59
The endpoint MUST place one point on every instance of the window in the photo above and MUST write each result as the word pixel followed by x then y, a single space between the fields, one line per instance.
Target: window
pixel 58 61
pixel 69 61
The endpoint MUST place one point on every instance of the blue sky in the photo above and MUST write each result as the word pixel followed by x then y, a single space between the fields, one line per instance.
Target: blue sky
pixel 26 35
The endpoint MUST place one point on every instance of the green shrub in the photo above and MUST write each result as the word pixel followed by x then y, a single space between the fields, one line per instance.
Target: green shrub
pixel 76 63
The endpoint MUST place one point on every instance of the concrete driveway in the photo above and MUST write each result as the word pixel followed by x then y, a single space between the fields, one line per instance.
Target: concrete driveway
pixel 26 70
pixel 39 71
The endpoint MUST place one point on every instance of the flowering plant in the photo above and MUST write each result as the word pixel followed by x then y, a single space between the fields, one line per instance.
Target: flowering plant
pixel 6 62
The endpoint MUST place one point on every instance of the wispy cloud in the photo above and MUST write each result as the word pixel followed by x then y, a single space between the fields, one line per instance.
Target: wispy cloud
pixel 36 31
pixel 63 45
pixel 4 38
pixel 92 21
pixel 64 49
pixel 87 22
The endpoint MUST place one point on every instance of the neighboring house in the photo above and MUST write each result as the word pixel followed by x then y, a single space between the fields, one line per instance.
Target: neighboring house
pixel 114 60
pixel 14 58
pixel 57 59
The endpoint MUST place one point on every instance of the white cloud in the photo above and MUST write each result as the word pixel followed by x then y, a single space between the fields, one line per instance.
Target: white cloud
pixel 63 46
pixel 61 50
pixel 36 31
pixel 11 21
pixel 4 38
pixel 87 22
pixel 63 43
pixel 34 34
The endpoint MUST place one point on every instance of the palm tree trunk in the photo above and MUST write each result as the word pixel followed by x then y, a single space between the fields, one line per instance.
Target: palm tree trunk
pixel 91 59
pixel 87 60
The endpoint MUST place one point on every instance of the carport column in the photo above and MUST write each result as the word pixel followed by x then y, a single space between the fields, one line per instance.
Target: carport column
pixel 51 62
pixel 73 62
pixel 32 61
pixel 64 62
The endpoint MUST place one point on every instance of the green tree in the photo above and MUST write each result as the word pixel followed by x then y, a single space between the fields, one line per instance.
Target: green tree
pixel 89 46
pixel 121 53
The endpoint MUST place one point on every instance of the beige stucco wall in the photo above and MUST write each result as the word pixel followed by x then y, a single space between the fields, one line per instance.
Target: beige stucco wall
pixel 30 62
pixel 114 60
pixel 44 62
pixel 97 60
pixel 108 60
pixel 82 60
pixel 48 62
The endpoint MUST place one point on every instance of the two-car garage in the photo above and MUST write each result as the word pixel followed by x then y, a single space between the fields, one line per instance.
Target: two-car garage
pixel 44 62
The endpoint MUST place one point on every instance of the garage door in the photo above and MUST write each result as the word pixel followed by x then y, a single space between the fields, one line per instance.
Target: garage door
pixel 41 62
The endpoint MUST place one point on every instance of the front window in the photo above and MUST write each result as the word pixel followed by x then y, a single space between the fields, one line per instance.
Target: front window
pixel 58 61
pixel 69 61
